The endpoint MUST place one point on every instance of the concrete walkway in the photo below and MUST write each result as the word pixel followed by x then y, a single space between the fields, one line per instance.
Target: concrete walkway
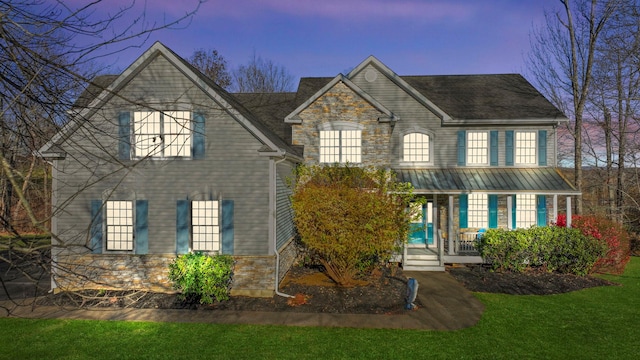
pixel 446 306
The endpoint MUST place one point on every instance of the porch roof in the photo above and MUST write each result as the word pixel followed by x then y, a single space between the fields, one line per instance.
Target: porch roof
pixel 544 180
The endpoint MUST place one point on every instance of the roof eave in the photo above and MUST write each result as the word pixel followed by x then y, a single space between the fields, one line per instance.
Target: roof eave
pixel 479 122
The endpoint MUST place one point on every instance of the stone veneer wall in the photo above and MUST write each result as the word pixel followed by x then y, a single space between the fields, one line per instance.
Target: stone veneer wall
pixel 288 256
pixel 252 275
pixel 340 103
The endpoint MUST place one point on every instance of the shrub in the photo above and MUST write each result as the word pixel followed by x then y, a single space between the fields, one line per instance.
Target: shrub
pixel 350 217
pixel 610 233
pixel 556 249
pixel 202 276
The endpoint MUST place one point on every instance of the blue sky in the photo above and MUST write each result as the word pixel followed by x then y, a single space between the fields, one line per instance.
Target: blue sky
pixel 326 37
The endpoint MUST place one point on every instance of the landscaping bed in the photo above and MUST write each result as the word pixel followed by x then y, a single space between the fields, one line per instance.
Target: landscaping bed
pixel 381 292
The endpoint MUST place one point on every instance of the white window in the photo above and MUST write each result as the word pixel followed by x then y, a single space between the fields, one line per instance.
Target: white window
pixel 478 211
pixel 159 134
pixel 415 147
pixel 526 210
pixel 119 225
pixel 477 148
pixel 205 225
pixel 525 147
pixel 340 146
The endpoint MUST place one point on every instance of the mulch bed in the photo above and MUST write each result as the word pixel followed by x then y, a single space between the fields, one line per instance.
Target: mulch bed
pixel 379 293
pixel 478 278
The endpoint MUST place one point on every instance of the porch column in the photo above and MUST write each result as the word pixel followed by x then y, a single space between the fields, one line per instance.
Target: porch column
pixel 450 233
pixel 554 214
pixel 568 211
pixel 509 212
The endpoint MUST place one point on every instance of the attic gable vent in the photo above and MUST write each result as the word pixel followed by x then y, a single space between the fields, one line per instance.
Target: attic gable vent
pixel 370 75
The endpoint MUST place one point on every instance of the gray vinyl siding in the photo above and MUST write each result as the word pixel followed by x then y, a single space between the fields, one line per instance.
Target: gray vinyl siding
pixel 284 214
pixel 414 115
pixel 232 168
pixel 285 228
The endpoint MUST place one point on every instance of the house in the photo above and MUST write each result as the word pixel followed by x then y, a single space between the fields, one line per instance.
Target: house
pixel 159 161
pixel 481 149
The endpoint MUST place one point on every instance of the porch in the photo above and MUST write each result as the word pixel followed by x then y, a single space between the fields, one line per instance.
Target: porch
pixel 451 221
pixel 434 258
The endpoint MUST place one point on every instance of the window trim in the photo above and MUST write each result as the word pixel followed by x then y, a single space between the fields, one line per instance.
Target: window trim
pixel 531 209
pixel 341 147
pixel 338 126
pixel 486 148
pixel 162 134
pixel 474 210
pixel 105 224
pixel 218 226
pixel 430 146
pixel 516 147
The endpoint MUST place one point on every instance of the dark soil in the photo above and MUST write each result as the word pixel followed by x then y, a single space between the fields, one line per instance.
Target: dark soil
pixel 478 278
pixel 378 293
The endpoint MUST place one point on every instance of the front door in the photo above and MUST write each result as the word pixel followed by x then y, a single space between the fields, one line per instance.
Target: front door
pixel 421 232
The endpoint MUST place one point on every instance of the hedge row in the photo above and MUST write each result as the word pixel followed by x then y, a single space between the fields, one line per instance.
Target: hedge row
pixel 555 249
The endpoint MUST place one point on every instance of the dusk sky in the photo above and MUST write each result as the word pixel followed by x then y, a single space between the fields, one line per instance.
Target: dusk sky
pixel 326 37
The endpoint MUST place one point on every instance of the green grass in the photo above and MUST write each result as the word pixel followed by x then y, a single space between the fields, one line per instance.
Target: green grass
pixel 600 323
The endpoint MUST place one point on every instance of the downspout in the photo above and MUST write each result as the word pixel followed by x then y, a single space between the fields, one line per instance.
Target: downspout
pixel 54 225
pixel 275 223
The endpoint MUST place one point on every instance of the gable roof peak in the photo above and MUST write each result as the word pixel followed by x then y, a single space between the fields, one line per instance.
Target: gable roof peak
pixel 371 60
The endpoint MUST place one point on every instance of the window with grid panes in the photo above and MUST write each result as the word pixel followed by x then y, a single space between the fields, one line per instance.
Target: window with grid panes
pixel 205 228
pixel 415 147
pixel 477 148
pixel 526 210
pixel 162 134
pixel 340 146
pixel 119 225
pixel 478 210
pixel 525 147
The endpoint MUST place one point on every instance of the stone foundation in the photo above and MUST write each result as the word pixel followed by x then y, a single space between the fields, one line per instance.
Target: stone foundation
pixel 252 275
pixel 113 272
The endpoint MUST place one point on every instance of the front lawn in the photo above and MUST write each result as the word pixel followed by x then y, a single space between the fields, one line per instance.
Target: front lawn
pixel 595 323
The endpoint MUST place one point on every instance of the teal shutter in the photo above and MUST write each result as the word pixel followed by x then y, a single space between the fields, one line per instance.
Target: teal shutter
pixel 142 227
pixel 513 213
pixel 96 226
pixel 182 226
pixel 198 136
pixel 227 227
pixel 464 204
pixel 493 211
pixel 542 147
pixel 509 149
pixel 462 144
pixel 542 210
pixel 124 136
pixel 493 148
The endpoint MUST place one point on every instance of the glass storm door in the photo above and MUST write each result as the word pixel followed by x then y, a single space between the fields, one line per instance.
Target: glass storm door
pixel 429 219
pixel 421 231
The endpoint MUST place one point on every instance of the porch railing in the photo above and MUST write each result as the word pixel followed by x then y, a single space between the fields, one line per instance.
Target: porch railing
pixel 466 242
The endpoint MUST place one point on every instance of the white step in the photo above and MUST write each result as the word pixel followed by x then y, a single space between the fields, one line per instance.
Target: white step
pixel 422 268
pixel 422 263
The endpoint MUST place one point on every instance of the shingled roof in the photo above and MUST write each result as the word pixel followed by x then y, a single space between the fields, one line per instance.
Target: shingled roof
pixel 480 97
pixel 271 109
pixel 468 97
pixel 96 86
